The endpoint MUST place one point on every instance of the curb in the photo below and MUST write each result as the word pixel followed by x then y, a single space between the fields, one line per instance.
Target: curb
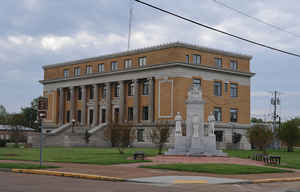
pixel 273 180
pixel 67 174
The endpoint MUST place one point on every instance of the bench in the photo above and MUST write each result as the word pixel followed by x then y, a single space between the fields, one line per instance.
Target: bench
pixel 258 156
pixel 139 155
pixel 272 159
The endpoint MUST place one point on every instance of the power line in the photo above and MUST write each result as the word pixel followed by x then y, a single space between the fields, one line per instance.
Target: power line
pixel 218 30
pixel 256 19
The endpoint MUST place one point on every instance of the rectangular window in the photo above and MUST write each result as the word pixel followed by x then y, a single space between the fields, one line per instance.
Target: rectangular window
pixel 219 136
pixel 91 93
pixel 146 87
pixel 197 83
pixel 218 88
pixel 127 63
pixel 233 90
pixel 233 65
pixel 145 113
pixel 142 61
pixel 196 59
pixel 89 69
pixel 77 71
pixel 233 115
pixel 187 59
pixel 114 66
pixel 117 90
pixel 103 115
pixel 130 89
pixel 101 67
pixel 79 116
pixel 79 93
pixel 104 90
pixel 140 135
pixel 68 95
pixel 68 117
pixel 130 113
pixel 218 62
pixel 218 113
pixel 66 73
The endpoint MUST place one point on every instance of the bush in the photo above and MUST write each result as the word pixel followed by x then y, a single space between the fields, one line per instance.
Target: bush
pixel 289 134
pixel 3 143
pixel 260 136
pixel 236 137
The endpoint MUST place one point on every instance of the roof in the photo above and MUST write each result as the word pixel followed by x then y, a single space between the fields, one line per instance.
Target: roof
pixel 148 49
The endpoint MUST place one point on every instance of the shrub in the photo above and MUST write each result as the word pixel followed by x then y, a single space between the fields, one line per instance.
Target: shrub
pixel 289 134
pixel 3 143
pixel 260 136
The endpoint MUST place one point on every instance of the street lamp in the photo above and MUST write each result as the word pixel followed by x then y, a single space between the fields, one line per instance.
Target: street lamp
pixel 73 124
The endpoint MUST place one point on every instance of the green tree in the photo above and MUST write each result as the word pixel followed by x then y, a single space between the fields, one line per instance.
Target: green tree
pixel 30 114
pixel 160 134
pixel 256 120
pixel 3 115
pixel 260 136
pixel 289 133
pixel 16 122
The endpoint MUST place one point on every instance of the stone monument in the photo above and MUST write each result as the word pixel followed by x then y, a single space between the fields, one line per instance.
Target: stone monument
pixel 195 143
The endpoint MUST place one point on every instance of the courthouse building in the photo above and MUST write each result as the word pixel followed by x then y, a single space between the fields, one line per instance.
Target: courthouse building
pixel 147 85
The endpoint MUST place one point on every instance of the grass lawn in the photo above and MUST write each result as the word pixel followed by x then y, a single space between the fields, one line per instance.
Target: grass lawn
pixel 100 156
pixel 288 159
pixel 23 166
pixel 228 169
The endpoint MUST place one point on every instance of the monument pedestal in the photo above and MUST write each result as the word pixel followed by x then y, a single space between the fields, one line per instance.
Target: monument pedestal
pixel 204 146
pixel 180 146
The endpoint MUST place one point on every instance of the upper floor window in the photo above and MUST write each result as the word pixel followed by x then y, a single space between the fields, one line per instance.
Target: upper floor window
pixel 130 89
pixel 218 113
pixel 77 71
pixel 145 113
pixel 101 67
pixel 197 83
pixel 196 59
pixel 104 90
pixel 233 115
pixel 130 113
pixel 66 73
pixel 218 62
pixel 117 90
pixel 142 61
pixel 79 93
pixel 187 59
pixel 145 87
pixel 114 66
pixel 128 63
pixel 233 90
pixel 217 88
pixel 233 65
pixel 89 69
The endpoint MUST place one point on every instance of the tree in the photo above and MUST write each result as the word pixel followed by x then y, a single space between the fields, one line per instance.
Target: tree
pixel 289 133
pixel 159 135
pixel 120 135
pixel 260 136
pixel 3 115
pixel 256 120
pixel 16 122
pixel 30 114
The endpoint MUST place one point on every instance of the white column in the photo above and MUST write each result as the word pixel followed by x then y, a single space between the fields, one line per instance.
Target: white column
pixel 108 103
pixel 151 99
pixel 95 114
pixel 136 101
pixel 72 108
pixel 61 106
pixel 83 105
pixel 122 101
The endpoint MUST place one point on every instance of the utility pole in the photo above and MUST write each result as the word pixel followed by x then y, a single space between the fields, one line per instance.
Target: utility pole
pixel 275 101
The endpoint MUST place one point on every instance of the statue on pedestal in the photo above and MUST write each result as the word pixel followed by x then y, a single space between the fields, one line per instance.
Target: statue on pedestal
pixel 211 124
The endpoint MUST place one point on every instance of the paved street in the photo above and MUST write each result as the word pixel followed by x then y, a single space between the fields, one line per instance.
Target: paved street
pixel 12 182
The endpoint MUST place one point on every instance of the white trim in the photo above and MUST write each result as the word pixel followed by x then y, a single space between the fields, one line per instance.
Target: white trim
pixel 172 98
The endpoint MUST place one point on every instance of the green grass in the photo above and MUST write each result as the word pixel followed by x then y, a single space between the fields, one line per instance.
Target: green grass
pixel 288 159
pixel 228 169
pixel 23 166
pixel 100 156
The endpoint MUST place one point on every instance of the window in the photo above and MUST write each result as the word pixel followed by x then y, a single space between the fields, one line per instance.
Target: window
pixel 68 117
pixel 218 62
pixel 89 69
pixel 187 59
pixel 233 115
pixel 114 66
pixel 130 113
pixel 117 90
pixel 233 65
pixel 77 71
pixel 233 90
pixel 218 114
pixel 196 59
pixel 142 61
pixel 103 115
pixel 197 83
pixel 218 88
pixel 128 63
pixel 145 87
pixel 140 135
pixel 226 86
pixel 101 67
pixel 130 89
pixel 145 113
pixel 79 116
pixel 66 73
pixel 104 90
pixel 68 95
pixel 219 136
pixel 79 93
pixel 91 93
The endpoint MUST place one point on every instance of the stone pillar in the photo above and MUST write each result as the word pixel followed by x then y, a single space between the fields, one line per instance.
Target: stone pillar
pixel 136 101
pixel 83 105
pixel 122 101
pixel 151 99
pixel 108 103
pixel 96 102
pixel 61 106
pixel 72 108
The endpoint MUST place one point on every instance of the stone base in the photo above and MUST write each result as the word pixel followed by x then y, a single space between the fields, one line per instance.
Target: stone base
pixel 180 146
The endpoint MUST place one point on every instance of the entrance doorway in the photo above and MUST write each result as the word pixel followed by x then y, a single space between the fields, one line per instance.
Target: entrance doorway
pixel 91 116
pixel 116 115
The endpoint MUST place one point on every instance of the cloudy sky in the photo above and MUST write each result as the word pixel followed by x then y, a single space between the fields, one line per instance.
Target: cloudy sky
pixel 39 32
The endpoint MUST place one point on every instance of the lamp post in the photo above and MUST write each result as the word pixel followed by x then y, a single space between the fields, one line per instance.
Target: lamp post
pixel 73 124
